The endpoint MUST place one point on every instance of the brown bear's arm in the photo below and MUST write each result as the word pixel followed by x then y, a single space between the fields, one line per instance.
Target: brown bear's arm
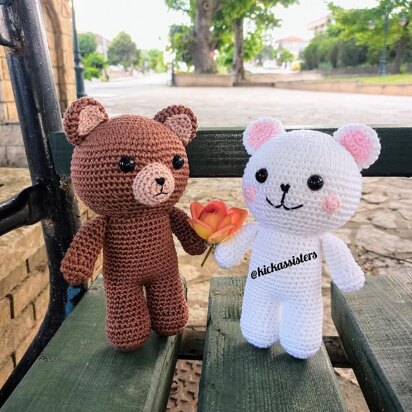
pixel 78 263
pixel 190 241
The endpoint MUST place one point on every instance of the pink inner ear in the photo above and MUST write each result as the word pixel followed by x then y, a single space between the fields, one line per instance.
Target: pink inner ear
pixel 261 132
pixel 358 143
pixel 90 117
pixel 181 125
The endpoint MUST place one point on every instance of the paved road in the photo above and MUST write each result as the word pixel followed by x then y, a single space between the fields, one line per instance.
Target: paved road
pixel 237 106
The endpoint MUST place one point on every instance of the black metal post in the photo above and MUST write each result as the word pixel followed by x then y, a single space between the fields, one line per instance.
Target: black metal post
pixel 382 62
pixel 172 40
pixel 173 82
pixel 40 117
pixel 78 65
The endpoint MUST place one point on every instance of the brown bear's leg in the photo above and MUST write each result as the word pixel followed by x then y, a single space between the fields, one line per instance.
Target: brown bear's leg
pixel 167 305
pixel 127 316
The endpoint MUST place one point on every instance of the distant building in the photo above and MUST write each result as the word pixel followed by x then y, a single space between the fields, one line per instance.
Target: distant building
pixel 293 44
pixel 319 25
pixel 102 44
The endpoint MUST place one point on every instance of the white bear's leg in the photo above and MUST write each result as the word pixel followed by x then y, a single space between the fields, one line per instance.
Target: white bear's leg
pixel 260 318
pixel 301 327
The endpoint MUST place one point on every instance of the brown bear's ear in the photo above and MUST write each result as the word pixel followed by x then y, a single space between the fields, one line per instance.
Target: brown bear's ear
pixel 180 120
pixel 81 117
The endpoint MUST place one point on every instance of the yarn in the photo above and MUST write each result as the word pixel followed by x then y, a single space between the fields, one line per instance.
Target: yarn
pixel 299 186
pixel 117 169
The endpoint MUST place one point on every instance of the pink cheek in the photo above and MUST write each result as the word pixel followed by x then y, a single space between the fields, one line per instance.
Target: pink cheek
pixel 332 203
pixel 250 193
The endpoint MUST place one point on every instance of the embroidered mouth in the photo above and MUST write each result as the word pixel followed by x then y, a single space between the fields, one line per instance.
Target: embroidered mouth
pixel 161 193
pixel 282 204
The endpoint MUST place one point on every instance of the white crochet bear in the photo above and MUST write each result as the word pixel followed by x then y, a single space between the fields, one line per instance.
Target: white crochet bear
pixel 299 186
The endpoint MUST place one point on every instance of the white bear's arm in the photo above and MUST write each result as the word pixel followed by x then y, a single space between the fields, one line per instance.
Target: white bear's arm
pixel 229 252
pixel 346 273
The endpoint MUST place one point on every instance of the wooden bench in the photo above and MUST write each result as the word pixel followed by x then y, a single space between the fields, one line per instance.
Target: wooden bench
pixel 79 371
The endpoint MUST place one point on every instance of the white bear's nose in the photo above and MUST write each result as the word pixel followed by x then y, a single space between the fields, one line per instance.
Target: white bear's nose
pixel 285 188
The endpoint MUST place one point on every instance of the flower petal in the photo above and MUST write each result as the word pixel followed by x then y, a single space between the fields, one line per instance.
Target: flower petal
pixel 202 229
pixel 228 220
pixel 212 219
pixel 196 209
pixel 216 206
pixel 220 235
pixel 239 215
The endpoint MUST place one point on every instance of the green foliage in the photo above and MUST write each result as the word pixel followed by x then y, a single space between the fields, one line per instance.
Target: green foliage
pixel 87 43
pixel 186 6
pixel 355 36
pixel 94 63
pixel 258 17
pixel 181 43
pixel 286 56
pixel 122 51
pixel 155 60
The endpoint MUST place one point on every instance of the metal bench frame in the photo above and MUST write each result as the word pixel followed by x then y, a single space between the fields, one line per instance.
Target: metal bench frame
pixel 51 200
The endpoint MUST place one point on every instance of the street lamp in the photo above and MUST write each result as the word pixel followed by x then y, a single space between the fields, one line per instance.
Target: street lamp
pixel 172 31
pixel 78 66
pixel 382 61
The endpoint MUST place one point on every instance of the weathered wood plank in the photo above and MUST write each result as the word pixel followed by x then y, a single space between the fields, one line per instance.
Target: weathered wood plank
pixel 236 376
pixel 193 341
pixel 80 371
pixel 375 325
pixel 220 152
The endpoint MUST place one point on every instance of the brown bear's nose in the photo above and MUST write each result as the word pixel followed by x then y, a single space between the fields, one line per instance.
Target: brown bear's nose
pixel 160 181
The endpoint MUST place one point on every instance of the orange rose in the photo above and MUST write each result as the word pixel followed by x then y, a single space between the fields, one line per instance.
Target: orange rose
pixel 215 221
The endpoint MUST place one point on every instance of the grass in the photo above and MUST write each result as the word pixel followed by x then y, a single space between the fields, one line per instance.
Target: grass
pixel 389 79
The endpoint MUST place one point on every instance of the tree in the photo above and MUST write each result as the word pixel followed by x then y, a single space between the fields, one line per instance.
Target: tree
pixel 201 13
pixel 354 24
pixel 257 13
pixel 122 51
pixel 181 43
pixel 87 43
pixel 286 56
pixel 219 24
pixel 155 60
pixel 94 64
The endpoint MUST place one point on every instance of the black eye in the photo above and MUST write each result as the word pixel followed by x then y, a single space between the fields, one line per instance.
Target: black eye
pixel 178 162
pixel 261 175
pixel 315 182
pixel 127 164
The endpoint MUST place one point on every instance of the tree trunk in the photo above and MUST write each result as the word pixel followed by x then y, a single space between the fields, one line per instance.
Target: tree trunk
pixel 402 45
pixel 238 67
pixel 400 53
pixel 205 10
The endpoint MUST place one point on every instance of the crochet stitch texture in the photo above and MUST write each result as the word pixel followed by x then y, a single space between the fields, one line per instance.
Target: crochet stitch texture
pixel 123 169
pixel 299 186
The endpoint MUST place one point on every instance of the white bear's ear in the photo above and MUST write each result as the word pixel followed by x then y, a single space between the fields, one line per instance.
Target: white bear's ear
pixel 361 142
pixel 260 131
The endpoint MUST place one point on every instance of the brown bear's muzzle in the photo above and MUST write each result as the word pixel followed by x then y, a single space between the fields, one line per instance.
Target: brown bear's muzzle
pixel 153 185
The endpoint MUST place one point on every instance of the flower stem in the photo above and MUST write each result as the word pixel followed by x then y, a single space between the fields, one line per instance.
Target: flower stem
pixel 211 249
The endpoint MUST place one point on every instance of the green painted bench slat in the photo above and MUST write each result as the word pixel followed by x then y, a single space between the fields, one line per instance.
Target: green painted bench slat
pixel 220 152
pixel 375 325
pixel 239 377
pixel 80 371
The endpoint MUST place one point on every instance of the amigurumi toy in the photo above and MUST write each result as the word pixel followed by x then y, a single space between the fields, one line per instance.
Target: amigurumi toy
pixel 299 186
pixel 131 171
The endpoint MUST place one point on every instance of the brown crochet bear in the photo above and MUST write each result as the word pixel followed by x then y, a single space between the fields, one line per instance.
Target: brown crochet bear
pixel 131 170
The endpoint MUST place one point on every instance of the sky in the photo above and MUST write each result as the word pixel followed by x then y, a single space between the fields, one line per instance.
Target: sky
pixel 148 22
